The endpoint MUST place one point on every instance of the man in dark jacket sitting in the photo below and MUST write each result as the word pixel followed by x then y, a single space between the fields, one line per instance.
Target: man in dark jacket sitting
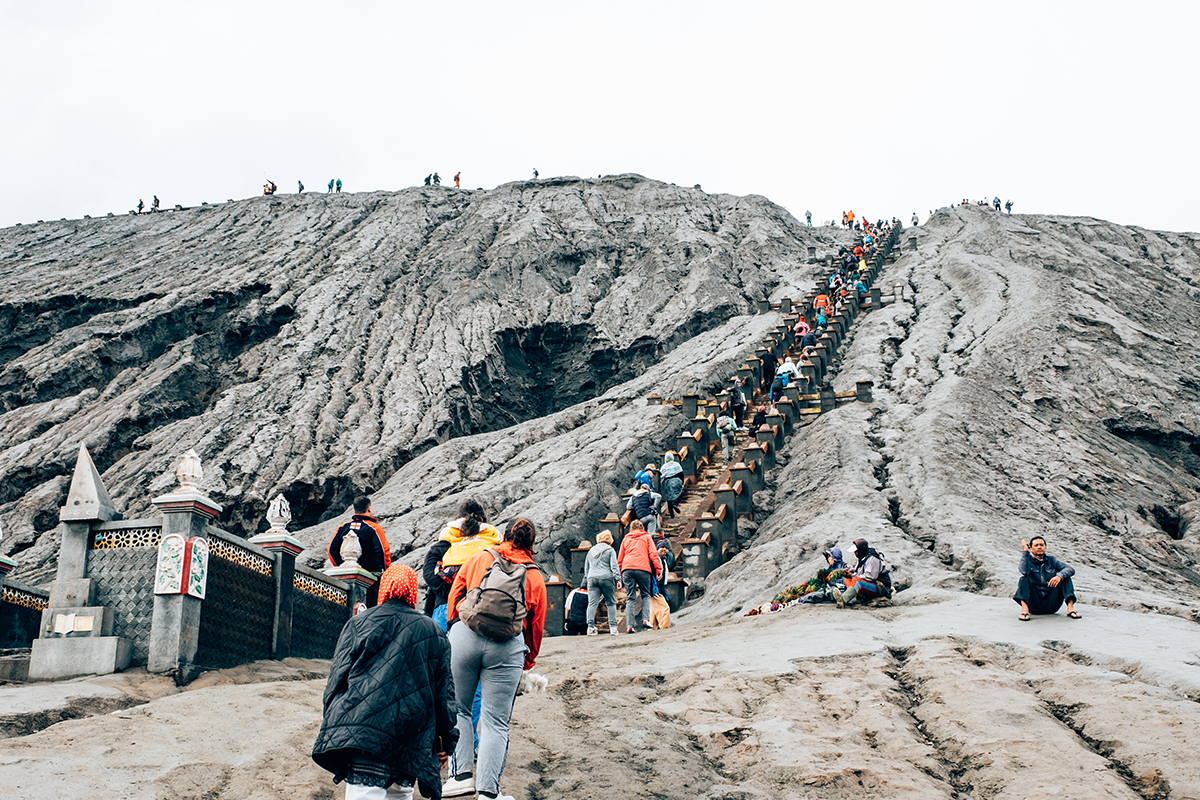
pixel 1045 582
pixel 388 699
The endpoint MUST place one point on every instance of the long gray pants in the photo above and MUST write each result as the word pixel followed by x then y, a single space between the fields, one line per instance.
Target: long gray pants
pixel 496 666
pixel 606 588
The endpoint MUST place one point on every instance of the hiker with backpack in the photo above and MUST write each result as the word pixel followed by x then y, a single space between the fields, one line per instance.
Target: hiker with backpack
pixel 870 579
pixel 388 704
pixel 671 481
pixel 497 613
pixel 644 503
pixel 462 538
pixel 727 426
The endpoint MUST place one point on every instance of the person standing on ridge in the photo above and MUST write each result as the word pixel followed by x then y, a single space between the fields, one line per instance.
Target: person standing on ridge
pixel 339 185
pixel 457 175
pixel 300 190
pixel 429 179
pixel 915 220
pixel 154 204
pixel 376 555
pixel 141 205
pixel 535 173
pixel 1008 207
pixel 437 179
pixel 996 202
pixel 808 218
pixel 330 189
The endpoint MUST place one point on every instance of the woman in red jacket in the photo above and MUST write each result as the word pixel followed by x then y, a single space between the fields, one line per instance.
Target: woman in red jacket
pixel 638 560
pixel 494 665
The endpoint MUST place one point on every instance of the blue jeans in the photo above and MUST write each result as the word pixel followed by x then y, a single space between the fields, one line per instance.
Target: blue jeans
pixel 495 668
pixel 636 579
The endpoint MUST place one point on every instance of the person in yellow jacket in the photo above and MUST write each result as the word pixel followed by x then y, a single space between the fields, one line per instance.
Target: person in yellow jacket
pixel 463 537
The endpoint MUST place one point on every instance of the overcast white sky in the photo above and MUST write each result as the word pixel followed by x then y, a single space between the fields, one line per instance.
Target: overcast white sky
pixel 887 108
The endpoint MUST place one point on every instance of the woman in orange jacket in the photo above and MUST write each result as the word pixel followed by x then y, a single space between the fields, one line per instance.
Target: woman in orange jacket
pixel 494 665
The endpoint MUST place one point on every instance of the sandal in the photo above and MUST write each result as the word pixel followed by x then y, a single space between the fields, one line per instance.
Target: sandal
pixel 1024 618
pixel 1074 615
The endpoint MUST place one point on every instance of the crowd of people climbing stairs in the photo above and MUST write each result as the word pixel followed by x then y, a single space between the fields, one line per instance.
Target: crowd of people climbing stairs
pixel 411 694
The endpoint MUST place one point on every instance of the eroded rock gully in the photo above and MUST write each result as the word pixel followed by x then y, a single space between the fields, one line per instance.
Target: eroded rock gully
pixel 314 345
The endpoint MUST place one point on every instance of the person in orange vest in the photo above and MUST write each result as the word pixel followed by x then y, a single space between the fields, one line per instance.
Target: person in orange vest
pixel 457 175
pixel 376 555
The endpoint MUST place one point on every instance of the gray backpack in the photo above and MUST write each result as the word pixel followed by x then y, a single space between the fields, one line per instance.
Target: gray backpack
pixel 496 607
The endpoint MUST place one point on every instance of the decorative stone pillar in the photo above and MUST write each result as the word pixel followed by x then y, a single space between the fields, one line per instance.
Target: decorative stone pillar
pixel 790 413
pixel 691 405
pixel 864 391
pixel 76 636
pixel 612 524
pixel 876 298
pixel 579 562
pixel 756 376
pixel 812 254
pixel 785 305
pixel 761 453
pixel 693 557
pixel 777 423
pixel 764 305
pixel 912 243
pixel 175 625
pixel 285 549
pixel 556 605
pixel 828 399
pixel 654 400
pixel 676 591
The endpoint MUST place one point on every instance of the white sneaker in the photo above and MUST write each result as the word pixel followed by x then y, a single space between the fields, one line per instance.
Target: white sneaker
pixel 592 631
pixel 500 797
pixel 612 629
pixel 457 788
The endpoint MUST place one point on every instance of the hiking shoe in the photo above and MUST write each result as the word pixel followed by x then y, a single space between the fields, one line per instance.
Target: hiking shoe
pixel 457 788
pixel 592 631
pixel 613 631
pixel 837 597
pixel 629 630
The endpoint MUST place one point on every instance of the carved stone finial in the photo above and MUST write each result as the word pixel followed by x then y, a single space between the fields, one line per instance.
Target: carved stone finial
pixel 279 514
pixel 87 499
pixel 351 549
pixel 189 472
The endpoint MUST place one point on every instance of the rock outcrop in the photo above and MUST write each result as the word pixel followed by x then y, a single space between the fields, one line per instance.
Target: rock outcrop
pixel 315 345
pixel 1039 379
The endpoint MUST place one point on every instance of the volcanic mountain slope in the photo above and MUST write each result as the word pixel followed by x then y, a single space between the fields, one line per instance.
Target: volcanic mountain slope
pixel 312 345
pixel 1041 377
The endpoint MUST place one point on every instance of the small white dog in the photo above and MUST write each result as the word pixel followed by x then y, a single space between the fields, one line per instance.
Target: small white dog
pixel 532 682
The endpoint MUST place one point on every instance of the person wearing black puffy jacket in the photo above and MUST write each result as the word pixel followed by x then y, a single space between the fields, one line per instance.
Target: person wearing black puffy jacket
pixel 387 705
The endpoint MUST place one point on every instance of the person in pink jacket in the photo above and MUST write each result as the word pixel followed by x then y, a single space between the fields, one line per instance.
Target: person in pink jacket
pixel 638 562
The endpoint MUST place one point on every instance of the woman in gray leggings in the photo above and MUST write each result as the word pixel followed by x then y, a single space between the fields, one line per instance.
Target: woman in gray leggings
pixel 495 666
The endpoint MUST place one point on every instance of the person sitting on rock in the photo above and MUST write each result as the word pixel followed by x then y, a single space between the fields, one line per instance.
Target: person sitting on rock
pixel 869 581
pixel 1045 582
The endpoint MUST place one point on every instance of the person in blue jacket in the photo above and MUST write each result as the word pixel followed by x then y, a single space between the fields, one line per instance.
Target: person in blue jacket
pixel 1045 582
